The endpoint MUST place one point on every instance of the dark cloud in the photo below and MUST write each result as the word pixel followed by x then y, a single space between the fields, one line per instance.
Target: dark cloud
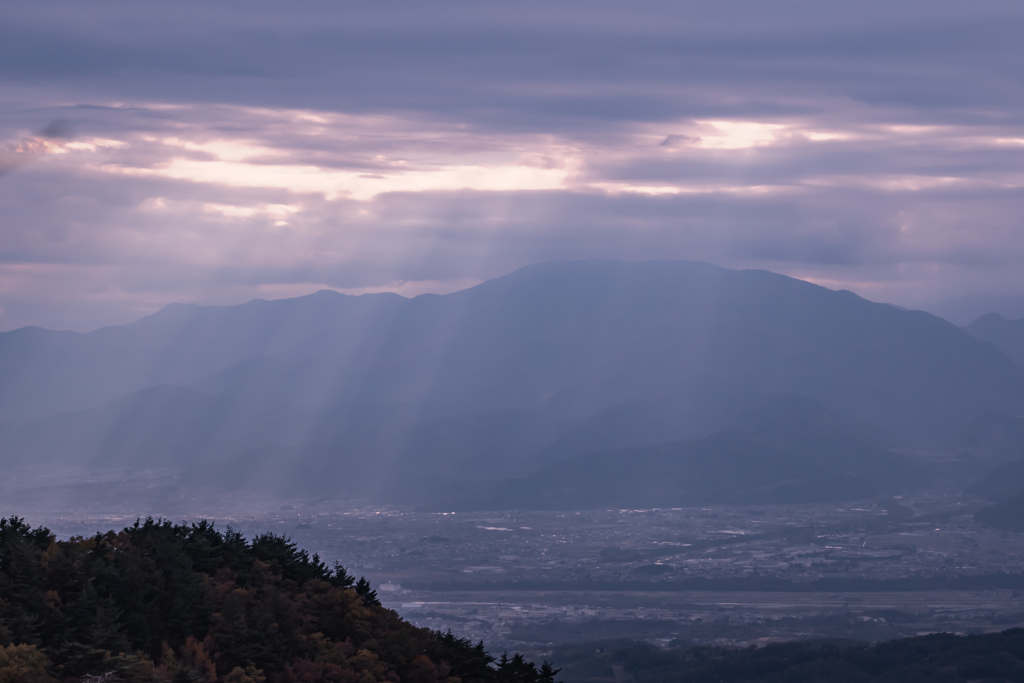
pixel 23 151
pixel 538 69
pixel 210 140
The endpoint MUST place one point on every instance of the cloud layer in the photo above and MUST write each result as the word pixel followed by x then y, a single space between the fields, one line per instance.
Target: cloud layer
pixel 226 153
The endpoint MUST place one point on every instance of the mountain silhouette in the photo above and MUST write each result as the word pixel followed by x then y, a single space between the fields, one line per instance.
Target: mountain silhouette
pixel 786 449
pixel 1006 335
pixel 43 372
pixel 1005 481
pixel 379 393
pixel 581 338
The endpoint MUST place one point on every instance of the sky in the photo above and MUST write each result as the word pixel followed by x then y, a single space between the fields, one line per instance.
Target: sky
pixel 215 153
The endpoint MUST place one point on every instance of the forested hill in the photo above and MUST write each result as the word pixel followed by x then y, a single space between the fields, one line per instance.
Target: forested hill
pixel 159 602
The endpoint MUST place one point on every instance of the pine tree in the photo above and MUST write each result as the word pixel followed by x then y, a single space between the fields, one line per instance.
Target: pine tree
pixel 368 595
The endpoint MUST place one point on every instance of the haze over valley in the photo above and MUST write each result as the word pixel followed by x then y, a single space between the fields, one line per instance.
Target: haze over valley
pixel 577 452
pixel 565 385
pixel 576 342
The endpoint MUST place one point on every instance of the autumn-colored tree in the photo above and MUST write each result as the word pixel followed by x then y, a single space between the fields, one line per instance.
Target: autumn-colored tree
pixel 187 603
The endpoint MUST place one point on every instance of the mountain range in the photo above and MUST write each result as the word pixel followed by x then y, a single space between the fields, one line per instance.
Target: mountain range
pixel 1006 335
pixel 521 376
pixel 785 449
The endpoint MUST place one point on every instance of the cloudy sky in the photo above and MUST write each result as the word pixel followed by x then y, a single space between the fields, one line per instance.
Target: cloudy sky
pixel 219 152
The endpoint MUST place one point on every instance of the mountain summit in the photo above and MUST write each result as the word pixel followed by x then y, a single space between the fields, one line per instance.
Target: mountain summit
pixel 553 359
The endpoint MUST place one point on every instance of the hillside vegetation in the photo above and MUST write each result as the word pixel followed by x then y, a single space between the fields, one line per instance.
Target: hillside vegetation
pixel 177 603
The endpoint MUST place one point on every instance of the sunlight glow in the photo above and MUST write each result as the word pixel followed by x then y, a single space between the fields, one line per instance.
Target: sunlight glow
pixel 358 158
pixel 737 134
pixel 354 185
pixel 277 212
pixel 413 288
pixel 821 136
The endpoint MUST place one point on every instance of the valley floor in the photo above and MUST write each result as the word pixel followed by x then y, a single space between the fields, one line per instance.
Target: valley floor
pixel 870 570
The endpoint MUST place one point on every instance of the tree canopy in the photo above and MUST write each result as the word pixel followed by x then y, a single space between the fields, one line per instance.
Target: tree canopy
pixel 178 603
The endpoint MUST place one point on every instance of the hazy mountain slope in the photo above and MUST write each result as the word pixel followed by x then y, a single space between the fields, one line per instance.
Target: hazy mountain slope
pixel 657 421
pixel 797 453
pixel 386 393
pixel 1003 482
pixel 993 436
pixel 582 338
pixel 1006 335
pixel 157 427
pixel 268 446
pixel 1007 514
pixel 374 452
pixel 44 372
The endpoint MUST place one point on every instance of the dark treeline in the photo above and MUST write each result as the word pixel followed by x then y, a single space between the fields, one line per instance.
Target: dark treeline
pixel 179 603
pixel 938 658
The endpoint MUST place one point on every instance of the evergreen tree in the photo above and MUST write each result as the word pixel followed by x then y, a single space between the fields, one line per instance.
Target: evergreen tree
pixel 161 602
pixel 368 595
